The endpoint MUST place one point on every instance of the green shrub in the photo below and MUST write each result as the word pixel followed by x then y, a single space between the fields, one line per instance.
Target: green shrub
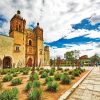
pixel 25 72
pixel 82 70
pixel 76 72
pixel 31 84
pixel 9 94
pixel 24 69
pixel 36 84
pixel 21 70
pixel 47 70
pixel 65 79
pixel 57 76
pixel 48 79
pixel 70 72
pixel 16 81
pixel 52 86
pixel 41 68
pixel 1 86
pixel 34 77
pixel 15 74
pixel 7 78
pixel 40 72
pixel 72 77
pixel 51 73
pixel 37 69
pixel 28 86
pixel 66 69
pixel 53 69
pixel 59 68
pixel 35 94
pixel 44 75
pixel 4 71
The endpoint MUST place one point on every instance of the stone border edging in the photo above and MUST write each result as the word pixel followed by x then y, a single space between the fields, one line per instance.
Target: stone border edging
pixel 72 89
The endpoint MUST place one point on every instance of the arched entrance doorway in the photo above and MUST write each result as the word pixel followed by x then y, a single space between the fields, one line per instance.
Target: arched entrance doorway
pixel 29 62
pixel 7 62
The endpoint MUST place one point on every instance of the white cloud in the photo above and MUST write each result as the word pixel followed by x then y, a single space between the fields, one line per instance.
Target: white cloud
pixel 55 17
pixel 55 52
pixel 95 19
pixel 93 34
pixel 89 49
pixel 81 32
pixel 76 33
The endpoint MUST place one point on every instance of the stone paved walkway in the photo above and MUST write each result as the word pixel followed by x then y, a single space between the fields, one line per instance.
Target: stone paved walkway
pixel 89 89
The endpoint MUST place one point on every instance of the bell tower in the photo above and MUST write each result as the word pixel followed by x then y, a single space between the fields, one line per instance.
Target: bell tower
pixel 17 32
pixel 39 44
pixel 17 23
pixel 39 32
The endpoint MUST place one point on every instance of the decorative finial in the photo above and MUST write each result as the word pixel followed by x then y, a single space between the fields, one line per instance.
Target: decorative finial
pixel 37 24
pixel 18 12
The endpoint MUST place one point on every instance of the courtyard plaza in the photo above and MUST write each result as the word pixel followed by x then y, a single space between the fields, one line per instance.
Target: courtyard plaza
pixel 89 89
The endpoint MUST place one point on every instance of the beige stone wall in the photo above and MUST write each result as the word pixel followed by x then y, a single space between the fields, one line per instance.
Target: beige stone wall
pixel 19 55
pixel 6 47
pixel 30 49
pixel 40 52
pixel 46 58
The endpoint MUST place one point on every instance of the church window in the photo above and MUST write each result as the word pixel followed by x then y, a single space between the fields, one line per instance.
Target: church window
pixel 30 42
pixel 17 48
pixel 19 28
pixel 16 28
pixel 40 51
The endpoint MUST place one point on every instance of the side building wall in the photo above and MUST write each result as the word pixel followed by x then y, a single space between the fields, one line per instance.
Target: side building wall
pixel 19 49
pixel 46 56
pixel 6 50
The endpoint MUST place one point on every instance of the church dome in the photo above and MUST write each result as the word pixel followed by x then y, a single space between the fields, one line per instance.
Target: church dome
pixel 18 15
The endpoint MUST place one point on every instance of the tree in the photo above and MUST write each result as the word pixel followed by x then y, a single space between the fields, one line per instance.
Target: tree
pixel 95 59
pixel 69 56
pixel 72 57
pixel 58 62
pixel 54 63
pixel 51 62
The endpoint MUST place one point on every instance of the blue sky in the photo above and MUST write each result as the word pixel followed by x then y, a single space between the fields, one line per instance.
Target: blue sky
pixel 67 24
pixel 84 24
pixel 2 20
pixel 77 40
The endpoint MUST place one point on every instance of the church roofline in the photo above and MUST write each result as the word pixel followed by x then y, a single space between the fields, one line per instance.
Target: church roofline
pixel 5 35
pixel 38 27
pixel 29 29
pixel 18 16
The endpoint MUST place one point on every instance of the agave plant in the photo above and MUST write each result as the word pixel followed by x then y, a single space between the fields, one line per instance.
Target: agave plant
pixel 16 81
pixel 9 94
pixel 28 86
pixel 7 78
pixel 1 86
pixel 52 86
pixel 35 94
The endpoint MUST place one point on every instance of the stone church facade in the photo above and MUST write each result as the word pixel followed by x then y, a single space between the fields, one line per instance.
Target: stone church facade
pixel 23 47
